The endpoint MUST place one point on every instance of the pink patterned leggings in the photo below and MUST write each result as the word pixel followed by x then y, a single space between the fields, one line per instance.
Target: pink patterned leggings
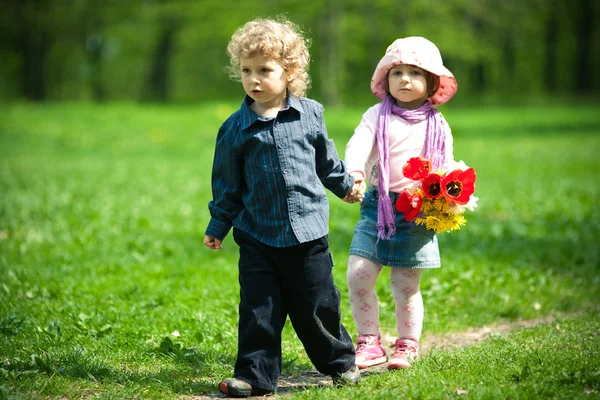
pixel 362 276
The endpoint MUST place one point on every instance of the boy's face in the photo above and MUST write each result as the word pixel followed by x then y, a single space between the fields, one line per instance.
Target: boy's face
pixel 408 85
pixel 264 80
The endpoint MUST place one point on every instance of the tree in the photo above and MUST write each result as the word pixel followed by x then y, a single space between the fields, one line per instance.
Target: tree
pixel 157 81
pixel 163 50
pixel 33 37
pixel 584 42
pixel 331 57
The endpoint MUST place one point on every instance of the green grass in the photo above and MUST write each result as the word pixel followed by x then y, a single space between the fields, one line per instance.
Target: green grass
pixel 549 361
pixel 107 292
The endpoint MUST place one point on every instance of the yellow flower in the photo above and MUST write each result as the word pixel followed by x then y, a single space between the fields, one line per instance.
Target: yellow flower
pixel 460 220
pixel 434 223
pixel 427 207
pixel 438 205
pixel 442 222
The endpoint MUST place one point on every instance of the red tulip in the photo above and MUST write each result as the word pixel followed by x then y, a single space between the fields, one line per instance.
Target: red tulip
pixel 458 186
pixel 410 204
pixel 416 168
pixel 432 186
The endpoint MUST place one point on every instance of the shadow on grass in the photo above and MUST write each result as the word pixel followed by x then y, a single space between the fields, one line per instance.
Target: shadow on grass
pixel 190 372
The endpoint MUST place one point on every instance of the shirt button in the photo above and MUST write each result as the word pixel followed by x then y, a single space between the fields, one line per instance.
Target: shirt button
pixel 285 171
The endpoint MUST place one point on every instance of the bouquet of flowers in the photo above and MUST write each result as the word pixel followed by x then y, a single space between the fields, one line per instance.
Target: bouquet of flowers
pixel 439 199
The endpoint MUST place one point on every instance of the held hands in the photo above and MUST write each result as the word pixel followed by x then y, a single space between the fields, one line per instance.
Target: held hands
pixel 212 243
pixel 358 190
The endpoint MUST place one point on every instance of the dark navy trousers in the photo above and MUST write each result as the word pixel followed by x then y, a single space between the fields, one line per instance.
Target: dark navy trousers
pixel 292 281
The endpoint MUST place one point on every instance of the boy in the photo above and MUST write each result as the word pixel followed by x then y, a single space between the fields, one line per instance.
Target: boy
pixel 270 159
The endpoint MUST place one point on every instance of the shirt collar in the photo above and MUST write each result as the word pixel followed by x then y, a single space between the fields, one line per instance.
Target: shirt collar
pixel 248 117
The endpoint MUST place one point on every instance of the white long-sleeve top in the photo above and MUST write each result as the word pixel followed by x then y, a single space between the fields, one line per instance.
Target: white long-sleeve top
pixel 406 140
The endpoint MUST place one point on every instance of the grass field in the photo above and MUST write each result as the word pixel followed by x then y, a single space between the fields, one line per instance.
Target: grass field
pixel 107 292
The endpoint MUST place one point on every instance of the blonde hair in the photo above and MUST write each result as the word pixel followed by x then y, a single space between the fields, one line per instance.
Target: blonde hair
pixel 281 41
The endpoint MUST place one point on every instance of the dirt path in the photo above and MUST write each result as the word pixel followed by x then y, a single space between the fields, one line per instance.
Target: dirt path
pixel 446 341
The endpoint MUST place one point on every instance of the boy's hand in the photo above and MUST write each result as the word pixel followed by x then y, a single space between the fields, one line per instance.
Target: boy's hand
pixel 212 243
pixel 358 190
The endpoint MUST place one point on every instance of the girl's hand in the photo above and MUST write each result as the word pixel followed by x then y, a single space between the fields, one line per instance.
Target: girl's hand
pixel 357 193
pixel 212 243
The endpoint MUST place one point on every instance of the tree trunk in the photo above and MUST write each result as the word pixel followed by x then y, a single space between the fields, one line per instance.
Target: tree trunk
pixel 34 43
pixel 584 41
pixel 93 21
pixel 95 49
pixel 157 84
pixel 331 57
pixel 551 43
pixel 478 70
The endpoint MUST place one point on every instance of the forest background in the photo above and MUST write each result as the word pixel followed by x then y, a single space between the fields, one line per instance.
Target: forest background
pixel 501 51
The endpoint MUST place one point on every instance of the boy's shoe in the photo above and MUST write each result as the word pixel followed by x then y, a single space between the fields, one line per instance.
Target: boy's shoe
pixel 234 387
pixel 350 377
pixel 406 351
pixel 369 351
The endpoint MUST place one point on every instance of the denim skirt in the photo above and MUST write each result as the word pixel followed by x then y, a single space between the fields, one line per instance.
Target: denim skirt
pixel 413 246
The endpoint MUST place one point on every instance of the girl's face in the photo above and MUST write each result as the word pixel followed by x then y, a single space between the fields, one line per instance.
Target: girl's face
pixel 408 85
pixel 265 81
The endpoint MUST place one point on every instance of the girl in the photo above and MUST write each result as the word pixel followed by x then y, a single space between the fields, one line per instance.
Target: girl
pixel 409 80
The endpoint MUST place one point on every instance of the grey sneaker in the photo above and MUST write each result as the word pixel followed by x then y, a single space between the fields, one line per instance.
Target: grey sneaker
pixel 234 387
pixel 350 377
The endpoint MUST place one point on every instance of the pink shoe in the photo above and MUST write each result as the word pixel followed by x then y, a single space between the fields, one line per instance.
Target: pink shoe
pixel 369 351
pixel 406 351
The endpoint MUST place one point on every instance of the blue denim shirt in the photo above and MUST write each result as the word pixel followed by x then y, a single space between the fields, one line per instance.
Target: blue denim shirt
pixel 268 175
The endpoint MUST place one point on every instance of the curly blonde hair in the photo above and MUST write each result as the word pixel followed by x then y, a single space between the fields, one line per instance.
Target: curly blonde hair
pixel 281 41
